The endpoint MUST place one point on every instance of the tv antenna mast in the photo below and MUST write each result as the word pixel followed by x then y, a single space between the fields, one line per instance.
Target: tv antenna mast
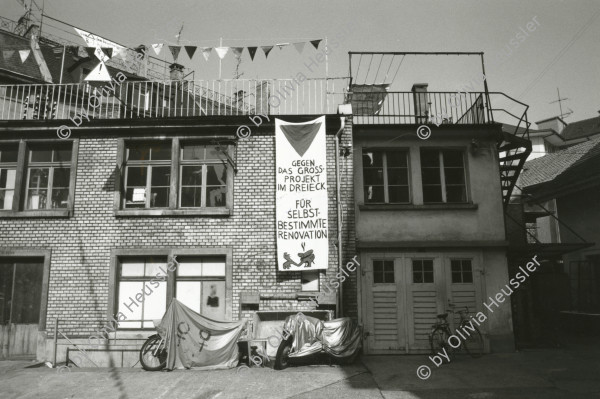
pixel 559 101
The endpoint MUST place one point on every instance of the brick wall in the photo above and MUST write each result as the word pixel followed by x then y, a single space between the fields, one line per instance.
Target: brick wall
pixel 81 245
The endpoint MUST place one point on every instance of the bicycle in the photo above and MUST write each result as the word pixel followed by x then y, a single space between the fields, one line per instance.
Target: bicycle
pixel 468 334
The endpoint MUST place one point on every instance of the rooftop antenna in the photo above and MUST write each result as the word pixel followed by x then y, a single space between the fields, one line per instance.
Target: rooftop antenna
pixel 559 101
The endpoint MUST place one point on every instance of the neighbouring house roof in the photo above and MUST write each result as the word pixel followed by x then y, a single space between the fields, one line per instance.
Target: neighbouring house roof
pixel 584 128
pixel 561 165
pixel 28 70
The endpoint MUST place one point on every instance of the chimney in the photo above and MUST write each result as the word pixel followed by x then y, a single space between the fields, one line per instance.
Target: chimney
pixel 176 71
pixel 420 100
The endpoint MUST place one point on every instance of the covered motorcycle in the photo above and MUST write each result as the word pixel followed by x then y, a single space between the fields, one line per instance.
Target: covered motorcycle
pixel 306 336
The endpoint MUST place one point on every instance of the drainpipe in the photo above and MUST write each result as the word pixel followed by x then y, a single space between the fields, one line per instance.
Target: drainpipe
pixel 339 308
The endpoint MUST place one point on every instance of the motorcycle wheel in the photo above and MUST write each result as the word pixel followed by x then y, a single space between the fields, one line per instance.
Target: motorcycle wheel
pixel 283 352
pixel 149 361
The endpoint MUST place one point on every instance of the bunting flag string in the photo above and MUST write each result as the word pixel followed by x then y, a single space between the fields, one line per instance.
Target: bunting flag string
pixel 175 51
pixel 157 48
pixel 107 51
pixel 252 51
pixel 299 46
pixel 24 54
pixel 221 51
pixel 237 51
pixel 7 54
pixel 91 52
pixel 316 43
pixel 267 50
pixel 282 45
pixel 206 52
pixel 190 50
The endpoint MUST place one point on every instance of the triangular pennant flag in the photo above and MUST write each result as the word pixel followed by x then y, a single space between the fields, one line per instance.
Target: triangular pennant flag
pixel 316 43
pixel 7 54
pixel 206 52
pixel 267 50
pixel 190 50
pixel 221 51
pixel 157 47
pixel 282 45
pixel 99 73
pixel 122 52
pixel 107 51
pixel 175 51
pixel 300 46
pixel 301 136
pixel 24 54
pixel 91 51
pixel 237 51
pixel 252 51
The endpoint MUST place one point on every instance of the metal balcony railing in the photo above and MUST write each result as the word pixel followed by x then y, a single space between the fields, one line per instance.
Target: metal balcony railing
pixel 154 99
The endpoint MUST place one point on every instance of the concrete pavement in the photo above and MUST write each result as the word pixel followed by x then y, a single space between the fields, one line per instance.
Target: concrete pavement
pixel 548 373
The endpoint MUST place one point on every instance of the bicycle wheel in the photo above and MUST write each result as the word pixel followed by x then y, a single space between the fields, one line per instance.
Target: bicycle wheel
pixel 438 340
pixel 153 357
pixel 474 342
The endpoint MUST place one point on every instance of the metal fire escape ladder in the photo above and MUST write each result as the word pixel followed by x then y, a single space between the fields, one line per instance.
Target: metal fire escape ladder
pixel 513 150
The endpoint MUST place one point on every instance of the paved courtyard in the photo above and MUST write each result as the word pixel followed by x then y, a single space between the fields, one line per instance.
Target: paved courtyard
pixel 547 373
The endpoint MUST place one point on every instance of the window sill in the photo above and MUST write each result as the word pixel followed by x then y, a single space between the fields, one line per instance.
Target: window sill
pixel 39 213
pixel 174 212
pixel 411 207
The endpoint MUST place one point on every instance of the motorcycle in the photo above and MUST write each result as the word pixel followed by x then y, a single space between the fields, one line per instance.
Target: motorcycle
pixel 306 336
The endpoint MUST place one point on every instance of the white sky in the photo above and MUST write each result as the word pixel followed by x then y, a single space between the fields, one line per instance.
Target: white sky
pixel 392 25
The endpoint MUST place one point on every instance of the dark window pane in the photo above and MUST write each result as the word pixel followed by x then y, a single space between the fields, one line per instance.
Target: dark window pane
pixel 191 152
pixel 216 175
pixel 161 151
pixel 159 197
pixel 455 266
pixel 373 176
pixel 36 199
pixel 397 176
pixel 161 176
pixel 136 176
pixel 431 176
pixel 191 175
pixel 396 158
pixel 372 158
pixel 430 158
pixel 467 277
pixel 41 155
pixel 62 155
pixel 139 153
pixel 60 197
pixel 453 158
pixel 8 153
pixel 61 177
pixel 374 194
pixel 456 277
pixel 456 194
pixel 26 297
pixel 7 178
pixel 215 196
pixel 428 277
pixel 428 265
pixel 191 197
pixel 398 194
pixel 454 175
pixel 38 178
pixel 432 194
pixel 417 277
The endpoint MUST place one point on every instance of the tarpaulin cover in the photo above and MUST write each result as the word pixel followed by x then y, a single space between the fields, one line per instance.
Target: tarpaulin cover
pixel 339 337
pixel 195 341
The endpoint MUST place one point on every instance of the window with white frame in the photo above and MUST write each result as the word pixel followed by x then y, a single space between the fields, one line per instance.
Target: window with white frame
pixel 203 177
pixel 148 175
pixel 443 174
pixel 385 177
pixel 48 177
pixel 8 172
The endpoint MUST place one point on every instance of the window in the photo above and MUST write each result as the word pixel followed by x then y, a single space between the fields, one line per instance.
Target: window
pixel 148 175
pixel 383 272
pixel 135 275
pixel 197 181
pixel 422 271
pixel 385 175
pixel 8 172
pixel 443 173
pixel 200 285
pixel 48 176
pixel 203 177
pixel 462 271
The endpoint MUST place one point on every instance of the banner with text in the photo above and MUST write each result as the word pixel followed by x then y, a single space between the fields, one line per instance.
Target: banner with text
pixel 301 199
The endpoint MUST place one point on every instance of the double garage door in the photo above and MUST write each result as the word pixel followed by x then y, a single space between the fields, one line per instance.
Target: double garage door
pixel 403 293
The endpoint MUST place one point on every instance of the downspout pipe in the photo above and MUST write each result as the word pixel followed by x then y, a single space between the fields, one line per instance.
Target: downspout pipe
pixel 339 307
